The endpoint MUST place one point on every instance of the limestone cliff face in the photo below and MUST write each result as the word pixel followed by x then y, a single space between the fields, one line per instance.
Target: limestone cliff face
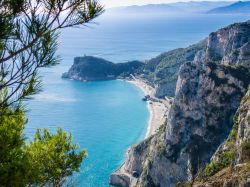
pixel 162 71
pixel 231 162
pixel 208 92
pixel 243 123
pixel 230 45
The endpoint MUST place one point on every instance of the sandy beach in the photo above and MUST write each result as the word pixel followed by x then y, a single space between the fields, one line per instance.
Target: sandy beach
pixel 158 108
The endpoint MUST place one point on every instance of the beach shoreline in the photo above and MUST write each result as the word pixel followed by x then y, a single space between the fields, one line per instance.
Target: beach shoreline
pixel 158 108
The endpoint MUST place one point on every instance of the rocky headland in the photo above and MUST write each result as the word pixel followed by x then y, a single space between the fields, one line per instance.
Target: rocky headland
pixel 206 131
pixel 89 68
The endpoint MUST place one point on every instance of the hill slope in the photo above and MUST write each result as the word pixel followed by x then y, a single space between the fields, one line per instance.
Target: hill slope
pixel 179 7
pixel 238 7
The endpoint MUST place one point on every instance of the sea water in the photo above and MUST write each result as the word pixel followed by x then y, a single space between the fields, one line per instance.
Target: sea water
pixel 107 117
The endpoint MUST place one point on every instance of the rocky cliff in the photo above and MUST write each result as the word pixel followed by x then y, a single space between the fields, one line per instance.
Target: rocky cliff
pixel 230 165
pixel 211 84
pixel 162 71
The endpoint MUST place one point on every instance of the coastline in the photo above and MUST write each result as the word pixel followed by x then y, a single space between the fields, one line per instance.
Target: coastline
pixel 158 108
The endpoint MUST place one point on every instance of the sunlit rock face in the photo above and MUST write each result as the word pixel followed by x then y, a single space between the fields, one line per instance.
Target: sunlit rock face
pixel 206 100
pixel 230 45
pixel 237 173
pixel 162 71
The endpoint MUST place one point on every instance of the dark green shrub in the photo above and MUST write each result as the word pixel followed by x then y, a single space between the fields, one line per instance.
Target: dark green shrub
pixel 225 160
pixel 246 149
pixel 183 184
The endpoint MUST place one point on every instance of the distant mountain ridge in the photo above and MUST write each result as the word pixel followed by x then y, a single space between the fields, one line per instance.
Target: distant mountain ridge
pixel 178 7
pixel 238 7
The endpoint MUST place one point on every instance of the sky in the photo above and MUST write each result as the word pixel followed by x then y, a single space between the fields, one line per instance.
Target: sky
pixel 115 3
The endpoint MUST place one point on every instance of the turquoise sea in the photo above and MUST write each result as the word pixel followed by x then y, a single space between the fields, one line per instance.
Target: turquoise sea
pixel 107 117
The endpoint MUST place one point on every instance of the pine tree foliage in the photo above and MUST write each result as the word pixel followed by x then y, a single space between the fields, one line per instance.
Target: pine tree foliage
pixel 29 30
pixel 48 160
pixel 28 40
pixel 54 157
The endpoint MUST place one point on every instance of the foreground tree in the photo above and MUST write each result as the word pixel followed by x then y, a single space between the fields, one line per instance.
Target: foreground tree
pixel 46 161
pixel 53 158
pixel 14 163
pixel 28 41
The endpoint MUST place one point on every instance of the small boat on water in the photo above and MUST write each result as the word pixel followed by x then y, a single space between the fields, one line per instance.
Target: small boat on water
pixel 146 98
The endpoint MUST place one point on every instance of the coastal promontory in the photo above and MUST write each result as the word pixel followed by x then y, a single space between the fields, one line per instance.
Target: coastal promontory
pixel 89 68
